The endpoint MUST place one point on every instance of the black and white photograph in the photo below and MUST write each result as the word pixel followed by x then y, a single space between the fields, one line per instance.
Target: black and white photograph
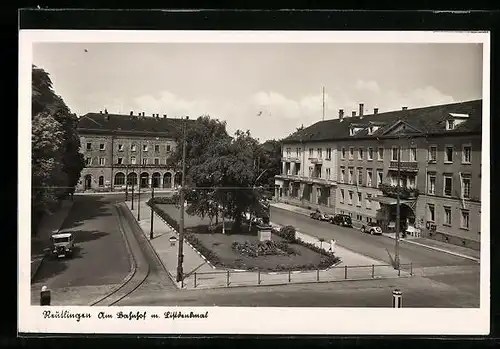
pixel 243 182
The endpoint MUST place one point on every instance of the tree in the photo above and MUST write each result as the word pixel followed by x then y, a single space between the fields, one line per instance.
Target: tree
pixel 56 160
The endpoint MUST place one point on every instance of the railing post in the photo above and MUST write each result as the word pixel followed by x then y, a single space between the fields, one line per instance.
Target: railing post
pixel 227 278
pixel 317 275
pixel 258 277
pixel 289 276
pixel 345 272
pixel 399 270
pixel 373 271
pixel 194 280
pixel 411 268
pixel 182 282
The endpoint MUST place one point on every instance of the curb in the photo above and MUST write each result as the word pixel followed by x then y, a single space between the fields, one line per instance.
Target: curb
pixel 443 250
pixel 37 267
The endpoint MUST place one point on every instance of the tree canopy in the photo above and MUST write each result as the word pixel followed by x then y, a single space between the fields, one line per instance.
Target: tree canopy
pixel 56 160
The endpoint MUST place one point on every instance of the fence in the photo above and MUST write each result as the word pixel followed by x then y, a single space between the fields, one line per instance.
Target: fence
pixel 230 278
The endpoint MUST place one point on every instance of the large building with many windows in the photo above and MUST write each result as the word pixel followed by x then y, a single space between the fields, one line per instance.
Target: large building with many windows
pixel 120 147
pixel 350 165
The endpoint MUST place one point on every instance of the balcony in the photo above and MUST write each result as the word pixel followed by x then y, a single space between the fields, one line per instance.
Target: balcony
pixel 316 160
pixel 404 192
pixel 409 166
pixel 290 159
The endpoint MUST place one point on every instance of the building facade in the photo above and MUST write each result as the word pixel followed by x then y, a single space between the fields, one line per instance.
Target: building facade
pixel 122 151
pixel 439 169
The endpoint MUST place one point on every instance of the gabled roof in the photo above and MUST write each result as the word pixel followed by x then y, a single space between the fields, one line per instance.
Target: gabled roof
pixel 107 123
pixel 428 120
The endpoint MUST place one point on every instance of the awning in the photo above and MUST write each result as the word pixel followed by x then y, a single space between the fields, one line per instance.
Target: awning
pixel 387 200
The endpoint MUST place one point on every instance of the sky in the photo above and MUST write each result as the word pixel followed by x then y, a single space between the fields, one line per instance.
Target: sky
pixel 267 88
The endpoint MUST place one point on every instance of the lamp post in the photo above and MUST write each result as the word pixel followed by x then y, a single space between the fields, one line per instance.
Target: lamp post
pixel 126 183
pixel 152 212
pixel 139 200
pixel 133 195
pixel 180 256
pixel 253 190
pixel 398 218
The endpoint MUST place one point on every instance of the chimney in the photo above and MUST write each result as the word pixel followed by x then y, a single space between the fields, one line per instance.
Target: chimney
pixel 361 105
pixel 164 116
pixel 341 114
pixel 100 111
pixel 404 108
pixel 105 111
pixel 131 113
pixel 353 113
pixel 375 110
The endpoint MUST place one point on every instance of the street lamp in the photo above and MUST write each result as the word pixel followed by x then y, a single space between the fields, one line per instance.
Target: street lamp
pixel 126 183
pixel 152 212
pixel 180 256
pixel 133 195
pixel 253 190
pixel 398 218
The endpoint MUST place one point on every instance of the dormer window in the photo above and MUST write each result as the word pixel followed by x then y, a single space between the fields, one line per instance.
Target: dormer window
pixel 455 120
pixel 450 124
pixel 351 132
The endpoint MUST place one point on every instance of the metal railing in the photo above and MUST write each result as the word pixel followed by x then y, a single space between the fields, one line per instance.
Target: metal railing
pixel 338 273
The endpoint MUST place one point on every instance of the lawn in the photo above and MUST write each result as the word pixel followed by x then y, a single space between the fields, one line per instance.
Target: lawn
pixel 222 253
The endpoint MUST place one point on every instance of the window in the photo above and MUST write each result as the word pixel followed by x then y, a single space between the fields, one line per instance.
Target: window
pixel 351 174
pixel 144 147
pixel 368 201
pixel 120 161
pixel 311 169
pixel 394 152
pixel 360 176
pixel 350 197
pixel 311 152
pixel 411 182
pixel 157 161
pixel 351 153
pixel 88 161
pixel 168 147
pixel 102 146
pixel 360 153
pixel 432 153
pixel 89 146
pixel 413 154
pixel 431 183
pixel 297 152
pixel 431 216
pixel 466 154
pixel 119 179
pixel 447 215
pixel 448 154
pixel 465 219
pixel 447 185
pixel 327 173
pixel 101 181
pixel 288 151
pixel 342 175
pixel 133 160
pixel 320 153
pixel 450 124
pixel 380 154
pixel 369 178
pixel 370 154
pixel 358 203
pixel 342 195
pixel 157 148
pixel 120 147
pixel 328 153
pixel 466 187
pixel 102 161
pixel 133 147
pixel 145 161
pixel 342 154
pixel 380 177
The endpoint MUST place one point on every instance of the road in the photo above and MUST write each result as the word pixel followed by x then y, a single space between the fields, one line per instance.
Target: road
pixel 100 259
pixel 374 246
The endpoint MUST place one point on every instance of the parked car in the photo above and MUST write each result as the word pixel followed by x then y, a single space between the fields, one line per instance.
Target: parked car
pixel 63 245
pixel 372 228
pixel 327 217
pixel 342 219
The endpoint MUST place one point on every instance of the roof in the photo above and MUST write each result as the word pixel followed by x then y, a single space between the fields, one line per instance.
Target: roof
pixel 61 235
pixel 428 120
pixel 119 123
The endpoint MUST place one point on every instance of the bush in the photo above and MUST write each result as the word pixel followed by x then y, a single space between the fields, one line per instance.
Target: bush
pixel 287 233
pixel 166 200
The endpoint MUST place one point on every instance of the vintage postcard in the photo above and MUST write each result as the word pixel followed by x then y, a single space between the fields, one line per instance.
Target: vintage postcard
pixel 182 182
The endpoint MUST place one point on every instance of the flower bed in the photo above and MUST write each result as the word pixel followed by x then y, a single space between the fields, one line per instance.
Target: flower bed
pixel 263 248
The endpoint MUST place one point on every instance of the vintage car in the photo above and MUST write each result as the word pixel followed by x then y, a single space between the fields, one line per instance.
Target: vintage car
pixel 372 228
pixel 63 245
pixel 342 219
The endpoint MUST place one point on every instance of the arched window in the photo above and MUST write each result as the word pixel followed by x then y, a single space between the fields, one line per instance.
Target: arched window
pixel 119 178
pixel 132 178
pixel 101 181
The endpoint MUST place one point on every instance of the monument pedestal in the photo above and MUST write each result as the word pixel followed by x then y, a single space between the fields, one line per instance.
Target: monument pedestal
pixel 264 232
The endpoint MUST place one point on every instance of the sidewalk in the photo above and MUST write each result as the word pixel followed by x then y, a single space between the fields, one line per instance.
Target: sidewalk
pixel 199 273
pixel 50 224
pixel 122 191
pixel 428 243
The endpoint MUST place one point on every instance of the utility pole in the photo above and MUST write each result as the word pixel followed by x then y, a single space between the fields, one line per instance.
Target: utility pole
pixel 180 256
pixel 398 218
pixel 152 212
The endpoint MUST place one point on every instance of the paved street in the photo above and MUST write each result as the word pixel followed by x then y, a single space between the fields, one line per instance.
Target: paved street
pixel 374 246
pixel 417 292
pixel 101 258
